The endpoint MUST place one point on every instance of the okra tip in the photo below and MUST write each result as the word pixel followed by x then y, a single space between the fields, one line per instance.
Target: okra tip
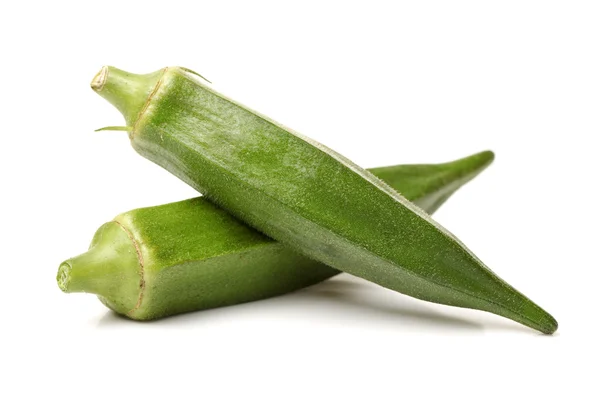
pixel 487 156
pixel 552 326
pixel 478 160
pixel 548 326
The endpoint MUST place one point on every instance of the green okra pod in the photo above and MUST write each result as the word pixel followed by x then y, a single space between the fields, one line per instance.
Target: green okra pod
pixel 303 194
pixel 190 255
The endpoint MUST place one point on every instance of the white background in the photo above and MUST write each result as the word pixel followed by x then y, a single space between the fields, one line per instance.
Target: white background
pixel 381 82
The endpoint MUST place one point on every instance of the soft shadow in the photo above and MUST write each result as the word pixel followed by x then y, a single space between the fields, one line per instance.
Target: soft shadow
pixel 404 309
pixel 111 318
pixel 401 309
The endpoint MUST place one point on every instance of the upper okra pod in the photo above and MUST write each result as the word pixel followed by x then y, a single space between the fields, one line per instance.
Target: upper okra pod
pixel 303 194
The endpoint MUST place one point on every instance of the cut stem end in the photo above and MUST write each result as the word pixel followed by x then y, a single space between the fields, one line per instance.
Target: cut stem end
pixel 100 79
pixel 64 276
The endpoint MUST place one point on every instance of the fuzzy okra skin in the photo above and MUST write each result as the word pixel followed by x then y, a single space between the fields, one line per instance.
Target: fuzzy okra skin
pixel 190 255
pixel 303 194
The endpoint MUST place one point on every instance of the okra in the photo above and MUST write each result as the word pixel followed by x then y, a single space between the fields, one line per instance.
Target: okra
pixel 191 255
pixel 303 194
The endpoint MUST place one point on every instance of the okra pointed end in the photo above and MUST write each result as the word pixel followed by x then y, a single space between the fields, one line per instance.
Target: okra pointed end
pixel 486 155
pixel 547 324
pixel 473 164
pixel 483 159
pixel 508 302
pixel 128 92
pixel 551 326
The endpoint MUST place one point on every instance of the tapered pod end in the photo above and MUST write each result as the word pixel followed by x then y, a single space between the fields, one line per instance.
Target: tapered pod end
pixel 471 165
pixel 486 156
pixel 543 322
pixel 483 159
pixel 502 299
pixel 528 313
pixel 126 91
pixel 430 185
pixel 547 324
pixel 551 326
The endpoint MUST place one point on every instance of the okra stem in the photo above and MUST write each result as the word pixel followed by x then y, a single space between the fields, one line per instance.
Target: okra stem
pixel 127 92
pixel 111 268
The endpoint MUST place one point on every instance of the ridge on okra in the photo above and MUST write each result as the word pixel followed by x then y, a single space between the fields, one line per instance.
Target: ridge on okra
pixel 303 194
pixel 191 255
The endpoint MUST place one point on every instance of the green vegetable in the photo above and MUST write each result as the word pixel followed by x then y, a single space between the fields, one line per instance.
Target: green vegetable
pixel 158 261
pixel 303 194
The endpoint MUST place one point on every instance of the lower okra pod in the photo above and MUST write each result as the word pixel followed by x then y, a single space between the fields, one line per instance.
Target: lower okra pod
pixel 191 255
pixel 303 194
